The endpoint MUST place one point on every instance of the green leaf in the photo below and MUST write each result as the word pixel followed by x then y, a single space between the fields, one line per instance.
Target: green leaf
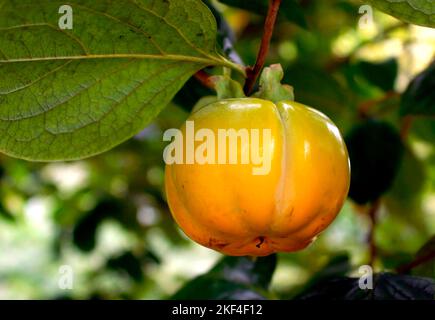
pixel 392 260
pixel 293 12
pixel 337 266
pixel 419 97
pixel 382 74
pixel 226 37
pixel 85 231
pixel 405 195
pixel 238 278
pixel 319 89
pixel 375 152
pixel 403 287
pixel 387 286
pixel 131 264
pixel 69 94
pixel 424 128
pixel 421 12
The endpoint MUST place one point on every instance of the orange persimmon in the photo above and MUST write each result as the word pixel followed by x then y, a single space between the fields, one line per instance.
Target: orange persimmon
pixel 229 208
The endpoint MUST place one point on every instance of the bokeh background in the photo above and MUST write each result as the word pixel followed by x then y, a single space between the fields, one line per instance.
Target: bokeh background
pixel 107 216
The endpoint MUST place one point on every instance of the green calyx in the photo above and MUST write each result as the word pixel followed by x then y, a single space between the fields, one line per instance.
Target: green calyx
pixel 271 87
pixel 227 88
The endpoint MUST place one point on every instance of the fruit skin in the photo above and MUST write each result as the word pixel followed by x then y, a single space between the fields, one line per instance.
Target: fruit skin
pixel 227 208
pixel 375 151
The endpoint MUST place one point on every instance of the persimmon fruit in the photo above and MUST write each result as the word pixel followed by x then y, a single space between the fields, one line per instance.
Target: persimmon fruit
pixel 227 208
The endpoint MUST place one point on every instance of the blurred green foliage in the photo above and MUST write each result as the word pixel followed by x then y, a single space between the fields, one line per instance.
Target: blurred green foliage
pixel 107 217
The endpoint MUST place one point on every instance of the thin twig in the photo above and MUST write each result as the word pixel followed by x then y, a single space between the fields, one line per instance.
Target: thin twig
pixel 253 73
pixel 415 263
pixel 373 211
pixel 365 106
pixel 204 78
pixel 405 126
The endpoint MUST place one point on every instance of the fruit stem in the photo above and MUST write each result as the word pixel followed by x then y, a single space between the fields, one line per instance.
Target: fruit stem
pixel 205 79
pixel 253 73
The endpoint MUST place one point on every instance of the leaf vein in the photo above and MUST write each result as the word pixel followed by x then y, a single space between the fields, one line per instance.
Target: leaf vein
pixel 148 36
pixel 84 89
pixel 172 26
pixel 36 80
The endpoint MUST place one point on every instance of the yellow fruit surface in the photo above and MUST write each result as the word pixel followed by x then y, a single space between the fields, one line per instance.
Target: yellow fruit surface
pixel 227 208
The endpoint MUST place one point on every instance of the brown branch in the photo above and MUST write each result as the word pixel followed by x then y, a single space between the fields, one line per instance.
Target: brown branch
pixel 253 73
pixel 406 126
pixel 204 78
pixel 373 211
pixel 365 106
pixel 416 262
pixel 336 62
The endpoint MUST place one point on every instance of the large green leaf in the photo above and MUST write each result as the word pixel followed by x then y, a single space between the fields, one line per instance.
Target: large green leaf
pixel 69 94
pixel 319 89
pixel 375 153
pixel 226 36
pixel 381 74
pixel 421 12
pixel 405 195
pixel 337 266
pixel 387 286
pixel 238 278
